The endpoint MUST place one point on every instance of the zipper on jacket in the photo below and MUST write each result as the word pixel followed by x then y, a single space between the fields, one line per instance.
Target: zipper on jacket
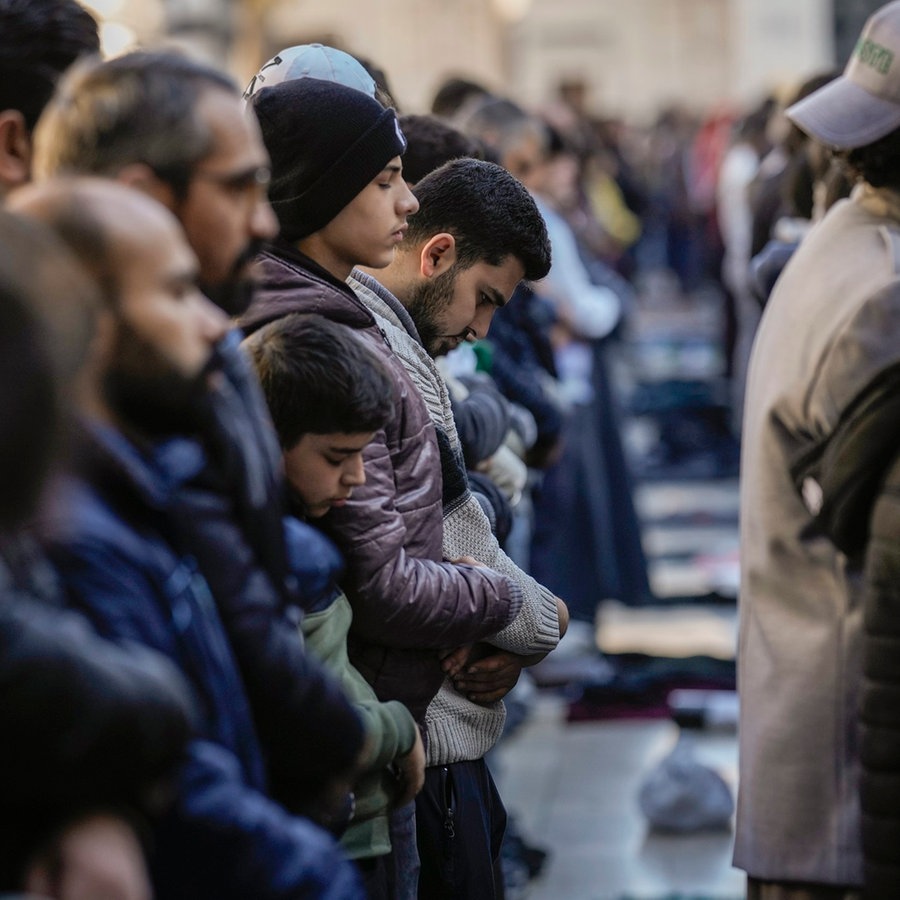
pixel 449 818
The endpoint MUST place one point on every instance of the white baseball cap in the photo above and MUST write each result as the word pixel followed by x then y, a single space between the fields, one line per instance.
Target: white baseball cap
pixel 863 104
pixel 312 61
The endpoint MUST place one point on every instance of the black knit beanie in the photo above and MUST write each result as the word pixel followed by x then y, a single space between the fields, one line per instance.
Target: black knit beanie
pixel 326 142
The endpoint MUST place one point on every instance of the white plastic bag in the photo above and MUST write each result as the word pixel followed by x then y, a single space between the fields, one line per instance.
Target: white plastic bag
pixel 681 794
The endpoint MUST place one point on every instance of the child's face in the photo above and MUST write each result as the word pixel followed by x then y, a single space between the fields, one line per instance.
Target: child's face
pixel 323 469
pixel 366 231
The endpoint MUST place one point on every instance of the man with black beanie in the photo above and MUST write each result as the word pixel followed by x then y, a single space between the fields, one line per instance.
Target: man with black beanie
pixel 337 188
pixel 316 173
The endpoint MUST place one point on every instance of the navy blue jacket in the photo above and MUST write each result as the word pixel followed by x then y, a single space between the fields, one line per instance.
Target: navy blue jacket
pixel 308 729
pixel 521 357
pixel 87 725
pixel 115 545
pixel 245 460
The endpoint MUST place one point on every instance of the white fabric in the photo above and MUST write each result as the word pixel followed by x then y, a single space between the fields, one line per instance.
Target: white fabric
pixel 590 310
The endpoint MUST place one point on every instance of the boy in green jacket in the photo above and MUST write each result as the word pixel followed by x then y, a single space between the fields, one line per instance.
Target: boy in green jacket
pixel 328 396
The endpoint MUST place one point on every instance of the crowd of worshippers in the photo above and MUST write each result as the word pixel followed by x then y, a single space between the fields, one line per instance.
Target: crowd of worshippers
pixel 281 527
pixel 310 448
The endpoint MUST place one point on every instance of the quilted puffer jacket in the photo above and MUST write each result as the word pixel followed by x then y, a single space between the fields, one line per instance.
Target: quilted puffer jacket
pixel 408 603
pixel 856 474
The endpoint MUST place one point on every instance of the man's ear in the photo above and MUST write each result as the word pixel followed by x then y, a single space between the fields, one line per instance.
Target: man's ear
pixel 15 149
pixel 437 255
pixel 142 178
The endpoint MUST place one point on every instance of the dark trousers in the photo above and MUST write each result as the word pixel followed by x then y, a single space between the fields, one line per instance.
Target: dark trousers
pixel 586 545
pixel 460 820
pixel 374 871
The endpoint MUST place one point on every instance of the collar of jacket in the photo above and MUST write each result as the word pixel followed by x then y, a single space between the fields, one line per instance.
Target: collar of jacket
pixel 289 281
pixel 882 202
pixel 315 562
pixel 154 472
pixel 385 302
pixel 288 251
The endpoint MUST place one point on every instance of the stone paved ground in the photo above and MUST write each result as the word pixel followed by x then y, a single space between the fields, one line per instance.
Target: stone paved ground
pixel 573 787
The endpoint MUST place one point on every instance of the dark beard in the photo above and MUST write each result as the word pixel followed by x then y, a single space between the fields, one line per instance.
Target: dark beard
pixel 425 303
pixel 149 396
pixel 234 295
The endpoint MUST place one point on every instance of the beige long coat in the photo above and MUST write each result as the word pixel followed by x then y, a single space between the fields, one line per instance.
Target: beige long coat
pixel 832 324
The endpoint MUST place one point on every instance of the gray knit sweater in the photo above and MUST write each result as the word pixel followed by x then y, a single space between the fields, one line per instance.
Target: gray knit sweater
pixel 457 728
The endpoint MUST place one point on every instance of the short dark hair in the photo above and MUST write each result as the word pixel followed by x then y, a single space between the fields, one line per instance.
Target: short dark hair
pixel 877 163
pixel 431 142
pixel 140 107
pixel 453 93
pixel 319 378
pixel 38 42
pixel 490 214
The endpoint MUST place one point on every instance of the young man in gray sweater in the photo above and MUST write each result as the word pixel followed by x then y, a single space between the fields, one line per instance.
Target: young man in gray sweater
pixel 476 235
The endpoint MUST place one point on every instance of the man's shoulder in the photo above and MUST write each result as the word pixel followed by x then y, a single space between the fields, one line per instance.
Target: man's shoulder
pixel 116 507
pixel 852 255
pixel 419 368
pixel 404 345
pixel 95 529
pixel 826 333
pixel 278 269
pixel 861 232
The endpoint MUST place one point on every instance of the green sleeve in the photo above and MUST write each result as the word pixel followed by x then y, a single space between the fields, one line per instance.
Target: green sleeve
pixel 390 727
pixel 390 731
